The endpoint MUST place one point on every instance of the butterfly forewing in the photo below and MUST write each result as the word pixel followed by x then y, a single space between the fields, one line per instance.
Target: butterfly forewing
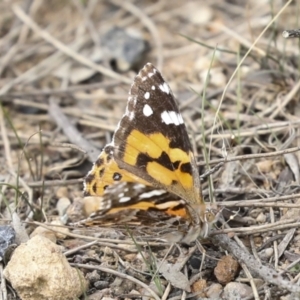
pixel 151 140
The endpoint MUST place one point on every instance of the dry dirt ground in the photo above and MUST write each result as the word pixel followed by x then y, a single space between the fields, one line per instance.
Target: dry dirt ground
pixel 66 68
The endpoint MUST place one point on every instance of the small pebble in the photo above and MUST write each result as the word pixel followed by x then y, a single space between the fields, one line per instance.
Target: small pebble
pixel 214 291
pixel 101 284
pixel 7 238
pixel 236 290
pixel 265 254
pixel 61 192
pixel 62 205
pixel 124 47
pixel 261 218
pixel 226 269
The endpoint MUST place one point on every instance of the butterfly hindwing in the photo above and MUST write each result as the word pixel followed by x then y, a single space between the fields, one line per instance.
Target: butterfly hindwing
pixel 132 196
pixel 105 173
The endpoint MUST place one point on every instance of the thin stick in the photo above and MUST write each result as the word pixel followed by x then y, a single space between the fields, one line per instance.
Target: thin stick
pixel 292 33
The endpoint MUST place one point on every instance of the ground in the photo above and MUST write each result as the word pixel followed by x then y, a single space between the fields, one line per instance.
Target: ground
pixel 66 69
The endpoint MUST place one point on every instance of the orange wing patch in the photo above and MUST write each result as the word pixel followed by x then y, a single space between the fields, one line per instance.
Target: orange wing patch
pixel 154 145
pixel 105 173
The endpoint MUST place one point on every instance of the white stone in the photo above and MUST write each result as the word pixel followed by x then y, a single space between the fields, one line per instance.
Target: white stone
pixel 43 272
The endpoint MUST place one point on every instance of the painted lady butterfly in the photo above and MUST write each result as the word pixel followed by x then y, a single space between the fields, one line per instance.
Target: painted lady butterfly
pixel 150 155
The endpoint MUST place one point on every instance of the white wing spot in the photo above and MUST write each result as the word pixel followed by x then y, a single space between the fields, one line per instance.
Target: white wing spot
pixel 130 115
pixel 147 110
pixel 139 186
pixel 124 199
pixel 166 118
pixel 174 117
pixel 147 95
pixel 152 194
pixel 150 74
pixel 121 195
pixel 170 204
pixel 153 87
pixel 134 99
pixel 165 88
pixel 180 119
pixel 106 204
pixel 171 117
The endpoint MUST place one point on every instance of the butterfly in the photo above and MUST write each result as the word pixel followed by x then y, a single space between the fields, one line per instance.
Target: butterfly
pixel 148 172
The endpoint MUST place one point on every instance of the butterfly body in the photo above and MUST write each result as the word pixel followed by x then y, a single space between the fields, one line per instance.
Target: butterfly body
pixel 150 148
